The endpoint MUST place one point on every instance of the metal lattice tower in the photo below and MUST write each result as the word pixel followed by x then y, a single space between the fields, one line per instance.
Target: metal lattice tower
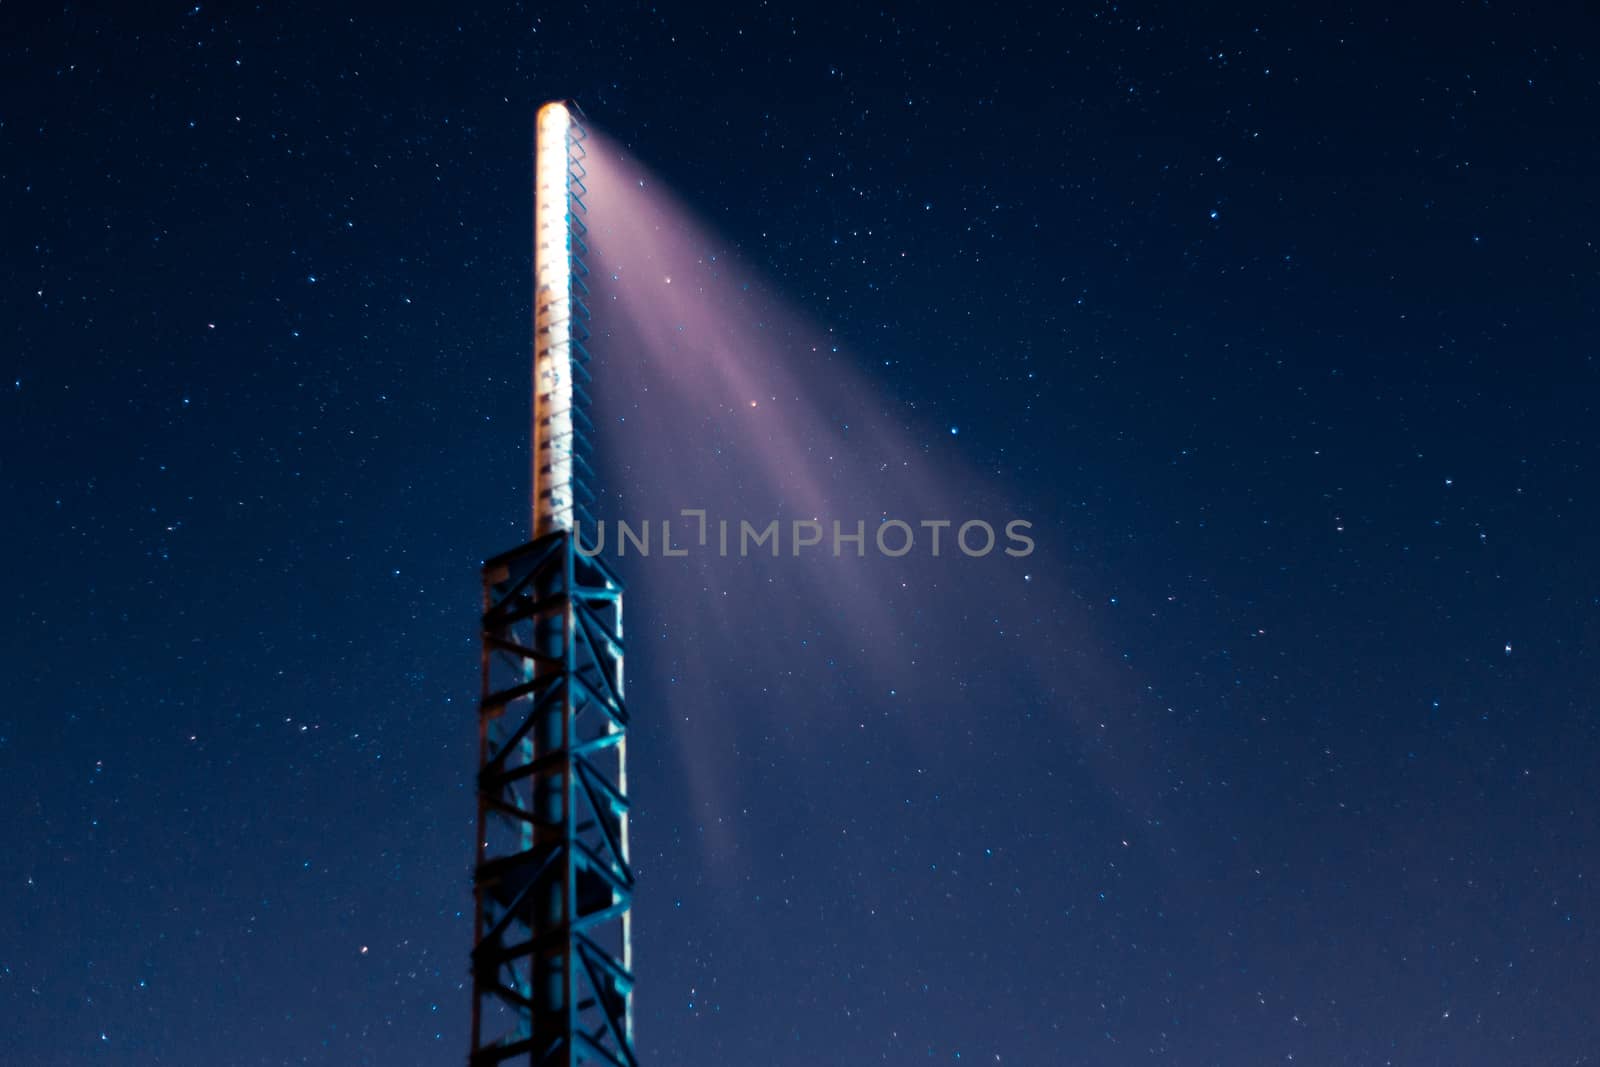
pixel 552 960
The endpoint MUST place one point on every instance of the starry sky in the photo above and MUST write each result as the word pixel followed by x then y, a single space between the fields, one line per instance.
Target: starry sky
pixel 1279 327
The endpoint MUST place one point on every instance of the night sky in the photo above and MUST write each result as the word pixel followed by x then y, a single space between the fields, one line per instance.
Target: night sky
pixel 1280 328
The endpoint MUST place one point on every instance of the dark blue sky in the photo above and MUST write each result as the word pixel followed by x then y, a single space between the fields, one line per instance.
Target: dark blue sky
pixel 1281 327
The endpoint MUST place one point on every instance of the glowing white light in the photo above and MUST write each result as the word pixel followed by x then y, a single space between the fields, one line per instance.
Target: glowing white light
pixel 552 322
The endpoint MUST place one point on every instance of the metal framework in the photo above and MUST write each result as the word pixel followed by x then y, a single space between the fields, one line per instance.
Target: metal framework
pixel 552 960
pixel 552 968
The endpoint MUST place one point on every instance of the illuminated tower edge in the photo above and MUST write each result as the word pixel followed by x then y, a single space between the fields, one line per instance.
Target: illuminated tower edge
pixel 552 959
pixel 557 204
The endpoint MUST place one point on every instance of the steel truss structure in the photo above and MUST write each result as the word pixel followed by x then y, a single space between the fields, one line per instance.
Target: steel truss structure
pixel 552 957
pixel 552 967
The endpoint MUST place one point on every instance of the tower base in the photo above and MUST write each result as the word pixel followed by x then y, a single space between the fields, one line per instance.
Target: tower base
pixel 552 956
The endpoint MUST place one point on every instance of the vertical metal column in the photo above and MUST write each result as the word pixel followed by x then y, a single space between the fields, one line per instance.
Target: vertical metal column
pixel 552 959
